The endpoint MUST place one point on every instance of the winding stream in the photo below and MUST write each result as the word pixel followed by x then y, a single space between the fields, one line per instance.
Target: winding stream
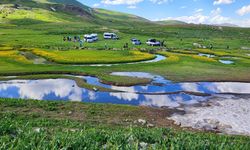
pixel 40 60
pixel 160 92
pixel 217 106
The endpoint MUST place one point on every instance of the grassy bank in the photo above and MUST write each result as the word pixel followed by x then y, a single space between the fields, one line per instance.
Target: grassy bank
pixel 93 56
pixel 27 124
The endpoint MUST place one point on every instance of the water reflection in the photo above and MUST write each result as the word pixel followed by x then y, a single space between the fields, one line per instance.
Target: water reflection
pixel 169 87
pixel 64 89
pixel 206 55
pixel 42 89
pixel 167 94
pixel 227 62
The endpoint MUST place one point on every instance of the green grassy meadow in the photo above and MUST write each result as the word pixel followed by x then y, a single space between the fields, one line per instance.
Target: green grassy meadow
pixel 35 28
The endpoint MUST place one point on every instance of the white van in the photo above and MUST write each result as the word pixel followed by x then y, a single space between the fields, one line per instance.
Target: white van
pixel 90 38
pixel 112 36
pixel 94 36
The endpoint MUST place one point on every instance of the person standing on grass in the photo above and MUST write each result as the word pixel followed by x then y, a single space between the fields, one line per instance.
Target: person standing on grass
pixel 78 38
pixel 81 43
pixel 105 46
pixel 75 38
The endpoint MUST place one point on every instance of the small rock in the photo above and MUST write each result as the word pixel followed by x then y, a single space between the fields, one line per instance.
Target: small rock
pixel 143 146
pixel 142 121
pixel 37 130
pixel 105 146
pixel 209 127
pixel 149 125
pixel 95 89
pixel 73 130
pixel 224 127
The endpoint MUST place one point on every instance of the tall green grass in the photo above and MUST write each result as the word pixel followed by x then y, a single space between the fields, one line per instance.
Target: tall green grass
pixel 25 129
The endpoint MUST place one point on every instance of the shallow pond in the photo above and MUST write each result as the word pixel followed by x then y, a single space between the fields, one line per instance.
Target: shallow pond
pixel 227 62
pixel 64 89
pixel 164 94
pixel 167 86
pixel 206 55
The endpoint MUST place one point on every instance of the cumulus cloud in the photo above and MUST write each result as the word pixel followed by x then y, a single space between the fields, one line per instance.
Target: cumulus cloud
pixel 199 10
pixel 96 5
pixel 159 101
pixel 120 2
pixel 132 7
pixel 125 96
pixel 198 17
pixel 160 1
pixel 39 89
pixel 244 10
pixel 218 2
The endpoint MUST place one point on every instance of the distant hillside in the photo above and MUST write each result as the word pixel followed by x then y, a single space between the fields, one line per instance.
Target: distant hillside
pixel 171 22
pixel 25 12
pixel 106 14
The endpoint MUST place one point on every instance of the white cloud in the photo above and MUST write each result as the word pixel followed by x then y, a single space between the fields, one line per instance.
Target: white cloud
pixel 244 10
pixel 183 7
pixel 218 2
pixel 198 10
pixel 121 2
pixel 132 7
pixel 197 18
pixel 38 89
pixel 125 96
pixel 191 87
pixel 96 5
pixel 217 18
pixel 160 1
pixel 159 101
pixel 214 17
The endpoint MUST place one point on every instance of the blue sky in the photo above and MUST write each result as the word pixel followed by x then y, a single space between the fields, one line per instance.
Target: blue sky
pixel 191 11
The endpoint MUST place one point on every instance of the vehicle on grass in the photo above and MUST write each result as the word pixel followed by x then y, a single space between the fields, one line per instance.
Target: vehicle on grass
pixel 153 42
pixel 94 36
pixel 90 38
pixel 111 36
pixel 135 41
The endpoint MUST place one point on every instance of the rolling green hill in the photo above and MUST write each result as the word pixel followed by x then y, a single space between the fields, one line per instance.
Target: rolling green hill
pixel 25 12
pixel 24 19
pixel 171 22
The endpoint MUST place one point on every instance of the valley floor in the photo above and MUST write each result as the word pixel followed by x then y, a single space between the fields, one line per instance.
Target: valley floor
pixel 37 51
pixel 28 124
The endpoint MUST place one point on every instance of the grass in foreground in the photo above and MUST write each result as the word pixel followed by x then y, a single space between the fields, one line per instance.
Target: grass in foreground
pixel 27 124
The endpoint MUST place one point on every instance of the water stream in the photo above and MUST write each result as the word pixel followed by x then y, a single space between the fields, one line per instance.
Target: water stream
pixel 167 93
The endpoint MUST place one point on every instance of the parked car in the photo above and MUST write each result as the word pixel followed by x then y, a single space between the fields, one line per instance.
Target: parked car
pixel 135 41
pixel 90 38
pixel 153 42
pixel 94 36
pixel 112 36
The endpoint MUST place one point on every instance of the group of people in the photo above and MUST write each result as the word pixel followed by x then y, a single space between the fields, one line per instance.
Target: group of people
pixel 74 39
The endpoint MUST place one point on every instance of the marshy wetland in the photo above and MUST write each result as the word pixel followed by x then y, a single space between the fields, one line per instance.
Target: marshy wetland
pixel 113 94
